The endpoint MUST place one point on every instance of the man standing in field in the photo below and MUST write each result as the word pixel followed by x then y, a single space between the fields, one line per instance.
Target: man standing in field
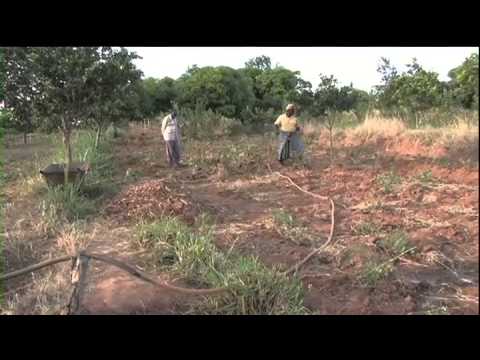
pixel 171 135
pixel 289 134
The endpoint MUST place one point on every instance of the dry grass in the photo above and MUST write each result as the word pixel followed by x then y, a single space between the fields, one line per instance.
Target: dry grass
pixel 47 293
pixel 461 130
pixel 375 126
pixel 312 128
pixel 72 238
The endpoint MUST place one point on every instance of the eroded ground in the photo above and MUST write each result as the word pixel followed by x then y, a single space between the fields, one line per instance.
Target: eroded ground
pixel 433 201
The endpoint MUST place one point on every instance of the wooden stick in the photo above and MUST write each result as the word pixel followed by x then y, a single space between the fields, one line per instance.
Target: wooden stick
pixel 330 237
pixel 316 251
pixel 36 267
pixel 298 187
pixel 139 274
pixel 303 190
pixel 121 265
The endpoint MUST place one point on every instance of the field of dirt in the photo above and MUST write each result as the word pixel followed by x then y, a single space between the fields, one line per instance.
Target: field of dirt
pixel 439 213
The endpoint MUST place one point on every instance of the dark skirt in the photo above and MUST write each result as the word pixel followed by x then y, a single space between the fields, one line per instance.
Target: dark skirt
pixel 289 142
pixel 173 152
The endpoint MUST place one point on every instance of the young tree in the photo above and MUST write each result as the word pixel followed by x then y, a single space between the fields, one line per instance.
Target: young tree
pixel 327 102
pixel 66 93
pixel 112 82
pixel 327 95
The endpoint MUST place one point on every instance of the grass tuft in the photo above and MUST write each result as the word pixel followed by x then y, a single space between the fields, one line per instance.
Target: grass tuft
pixel 252 288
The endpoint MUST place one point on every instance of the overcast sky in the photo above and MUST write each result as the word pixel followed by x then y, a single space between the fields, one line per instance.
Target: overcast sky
pixel 348 64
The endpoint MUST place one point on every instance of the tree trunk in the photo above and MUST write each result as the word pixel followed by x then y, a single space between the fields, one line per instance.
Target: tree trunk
pixel 331 145
pixel 68 152
pixel 25 138
pixel 97 138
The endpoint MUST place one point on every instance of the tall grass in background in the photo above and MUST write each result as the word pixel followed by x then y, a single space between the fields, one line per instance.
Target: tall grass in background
pixel 99 159
pixel 74 202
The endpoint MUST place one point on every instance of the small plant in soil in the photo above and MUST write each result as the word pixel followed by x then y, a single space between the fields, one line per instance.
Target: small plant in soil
pixel 375 271
pixel 366 228
pixel 389 181
pixel 445 162
pixel 426 178
pixel 283 218
pixel 289 228
pixel 395 243
pixel 65 204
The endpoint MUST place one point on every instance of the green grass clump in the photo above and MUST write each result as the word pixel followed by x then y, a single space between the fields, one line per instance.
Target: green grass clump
pixel 366 228
pixel 426 178
pixel 252 288
pixel 374 271
pixel 389 181
pixel 395 243
pixel 65 203
pixel 290 228
pixel 283 218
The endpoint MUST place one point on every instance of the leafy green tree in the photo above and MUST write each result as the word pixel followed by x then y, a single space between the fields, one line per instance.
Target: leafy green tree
pixel 67 94
pixel 112 80
pixel 277 87
pixel 67 87
pixel 327 96
pixel 303 95
pixel 162 94
pixel 464 82
pixel 3 75
pixel 260 63
pixel 221 89
pixel 21 88
pixel 412 91
pixel 166 94
pixel 274 87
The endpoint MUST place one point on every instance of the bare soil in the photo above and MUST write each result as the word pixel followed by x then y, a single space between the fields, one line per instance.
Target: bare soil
pixel 440 218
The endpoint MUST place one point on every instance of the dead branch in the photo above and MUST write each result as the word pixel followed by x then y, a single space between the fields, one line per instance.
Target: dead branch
pixel 321 197
pixel 139 274
pixel 330 237
pixel 36 267
pixel 298 187
pixel 119 264
pixel 317 250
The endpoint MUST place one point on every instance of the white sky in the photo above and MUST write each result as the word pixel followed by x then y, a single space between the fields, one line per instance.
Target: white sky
pixel 347 64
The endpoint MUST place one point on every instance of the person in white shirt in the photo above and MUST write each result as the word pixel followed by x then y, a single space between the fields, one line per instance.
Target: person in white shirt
pixel 171 135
